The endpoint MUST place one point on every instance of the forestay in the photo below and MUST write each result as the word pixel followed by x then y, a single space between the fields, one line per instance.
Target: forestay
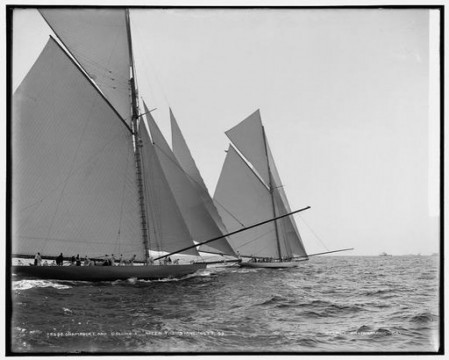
pixel 73 188
pixel 97 38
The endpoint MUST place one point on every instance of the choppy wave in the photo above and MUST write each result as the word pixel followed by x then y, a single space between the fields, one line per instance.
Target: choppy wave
pixel 332 304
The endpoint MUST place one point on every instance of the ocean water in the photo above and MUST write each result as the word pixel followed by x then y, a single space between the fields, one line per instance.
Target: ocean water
pixel 328 304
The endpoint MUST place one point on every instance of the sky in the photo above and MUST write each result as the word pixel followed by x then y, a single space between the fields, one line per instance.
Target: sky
pixel 347 98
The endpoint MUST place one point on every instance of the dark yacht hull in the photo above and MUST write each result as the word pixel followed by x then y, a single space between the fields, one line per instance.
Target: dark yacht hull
pixel 104 273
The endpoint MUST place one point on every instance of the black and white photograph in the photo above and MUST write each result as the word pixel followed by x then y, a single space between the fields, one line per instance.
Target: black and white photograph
pixel 224 180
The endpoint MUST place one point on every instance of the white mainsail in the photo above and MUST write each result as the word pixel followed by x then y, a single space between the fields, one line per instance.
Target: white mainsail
pixel 73 170
pixel 201 224
pixel 250 193
pixel 98 40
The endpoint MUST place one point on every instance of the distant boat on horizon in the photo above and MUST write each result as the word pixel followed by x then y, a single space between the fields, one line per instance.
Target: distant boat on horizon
pixel 384 254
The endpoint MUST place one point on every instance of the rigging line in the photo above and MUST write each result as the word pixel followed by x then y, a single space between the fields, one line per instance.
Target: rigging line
pixel 255 239
pixel 150 65
pixel 200 187
pixel 229 212
pixel 175 162
pixel 235 232
pixel 83 56
pixel 313 232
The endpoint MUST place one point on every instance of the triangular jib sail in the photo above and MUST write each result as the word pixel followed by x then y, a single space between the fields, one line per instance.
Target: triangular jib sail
pixel 187 163
pixel 188 196
pixel 167 228
pixel 250 192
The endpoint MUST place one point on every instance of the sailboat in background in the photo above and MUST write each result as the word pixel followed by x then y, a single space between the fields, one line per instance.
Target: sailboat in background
pixel 249 189
pixel 87 178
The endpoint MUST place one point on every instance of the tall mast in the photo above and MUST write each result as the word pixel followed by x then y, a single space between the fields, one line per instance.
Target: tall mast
pixel 271 193
pixel 137 142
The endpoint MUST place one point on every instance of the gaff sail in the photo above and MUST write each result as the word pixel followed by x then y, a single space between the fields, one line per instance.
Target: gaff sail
pixel 73 171
pixel 249 190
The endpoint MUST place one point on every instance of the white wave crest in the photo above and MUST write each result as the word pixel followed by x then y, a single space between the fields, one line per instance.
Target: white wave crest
pixel 31 284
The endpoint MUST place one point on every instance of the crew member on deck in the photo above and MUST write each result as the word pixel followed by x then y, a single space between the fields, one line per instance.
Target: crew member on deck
pixel 38 259
pixel 131 261
pixel 60 260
